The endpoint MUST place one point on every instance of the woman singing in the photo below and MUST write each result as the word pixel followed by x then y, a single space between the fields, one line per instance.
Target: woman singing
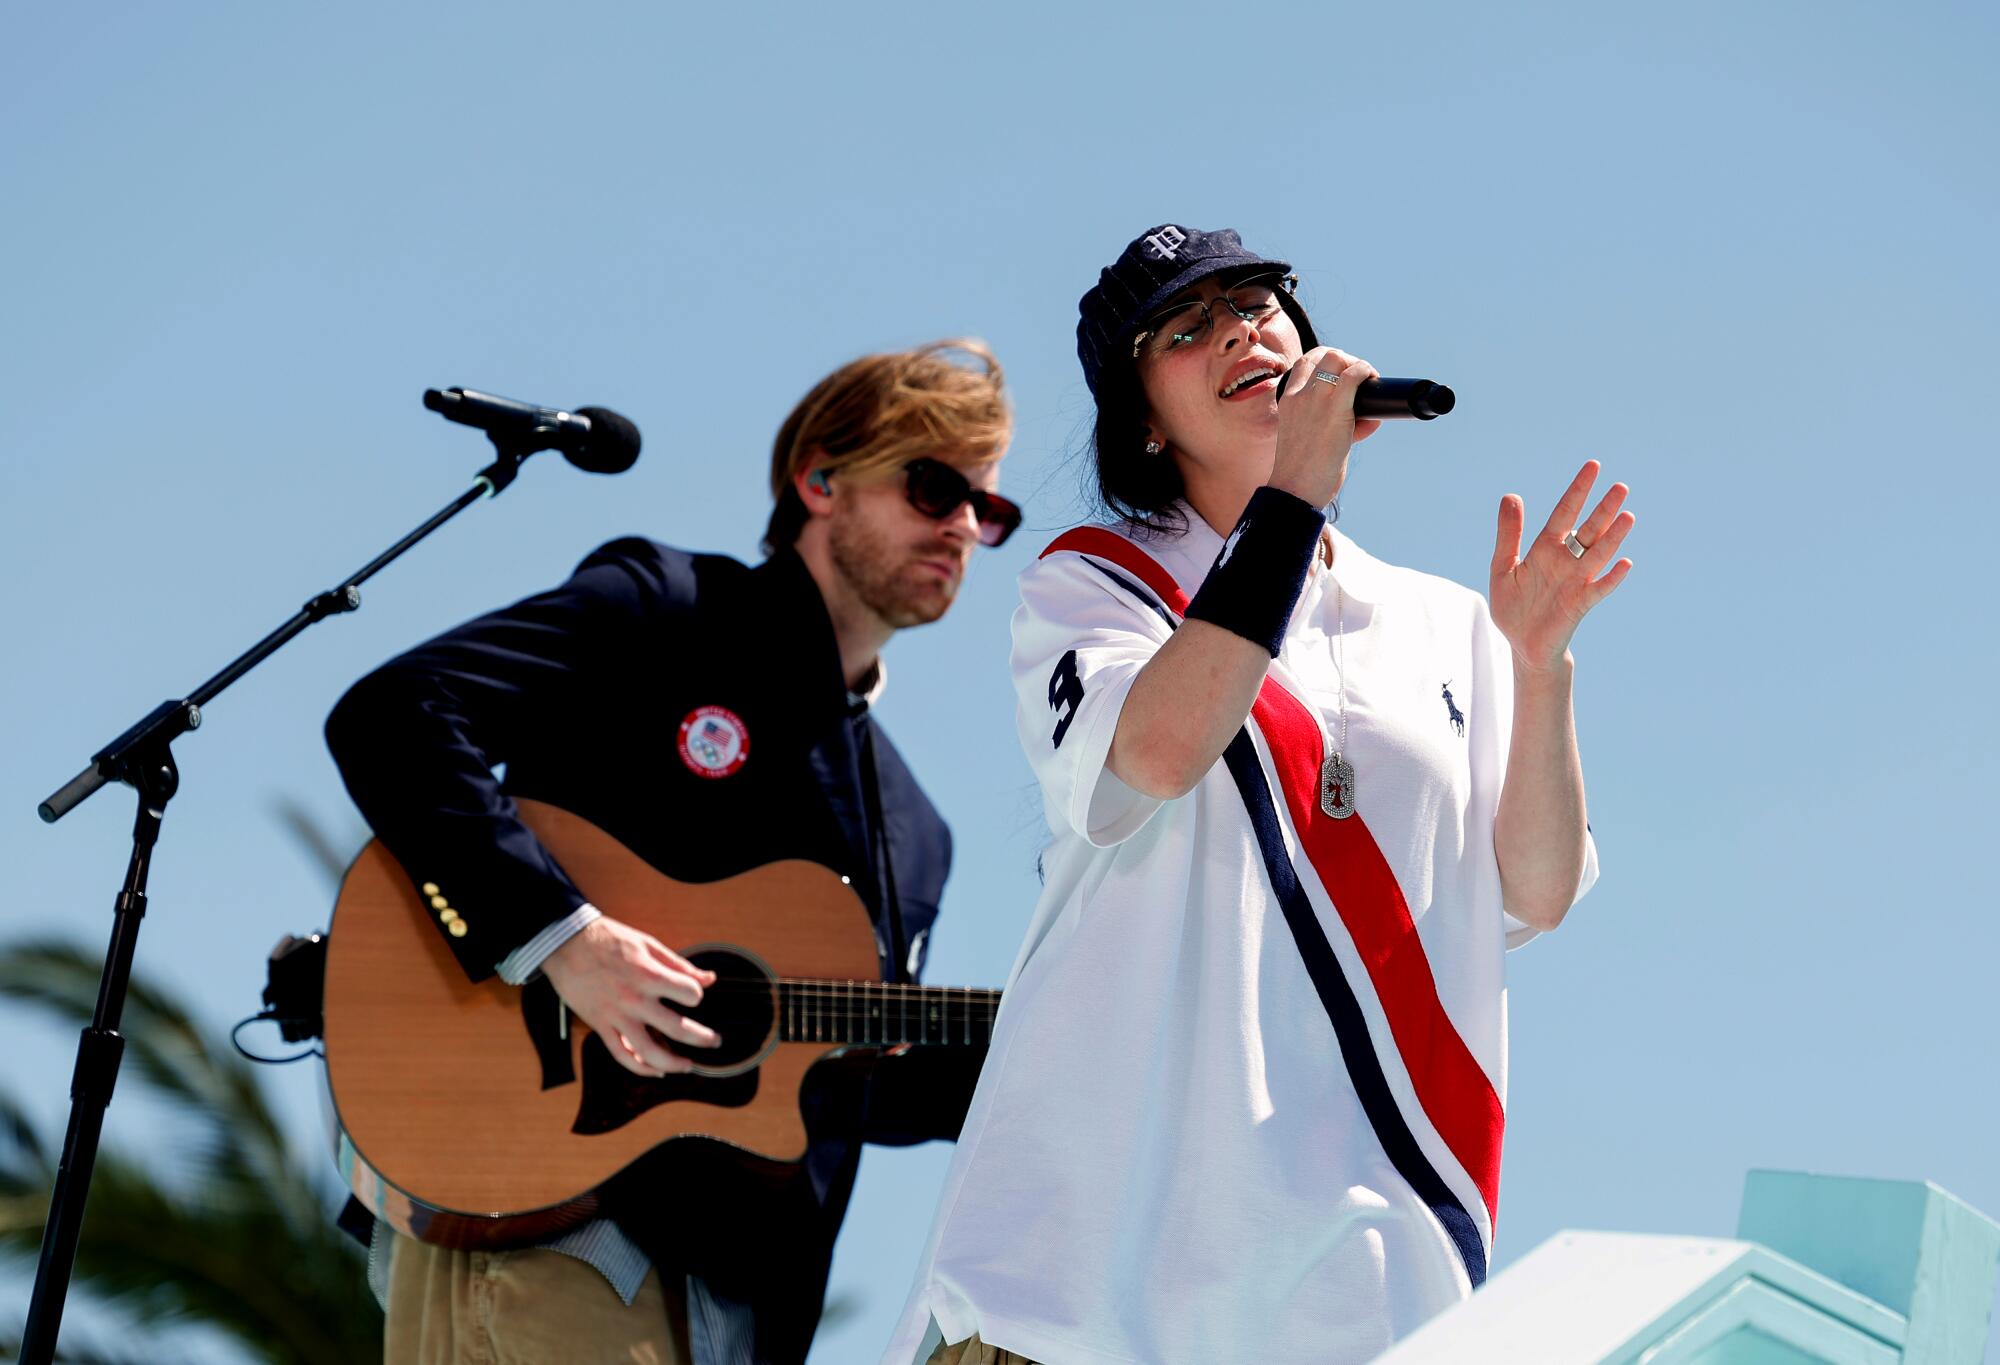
pixel 1246 1096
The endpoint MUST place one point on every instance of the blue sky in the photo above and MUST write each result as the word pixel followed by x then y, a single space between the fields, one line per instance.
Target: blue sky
pixel 1741 253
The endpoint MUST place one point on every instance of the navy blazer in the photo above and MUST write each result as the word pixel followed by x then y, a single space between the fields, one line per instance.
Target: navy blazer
pixel 579 694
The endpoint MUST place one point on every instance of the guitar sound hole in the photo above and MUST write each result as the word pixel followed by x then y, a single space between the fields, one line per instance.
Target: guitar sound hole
pixel 741 1006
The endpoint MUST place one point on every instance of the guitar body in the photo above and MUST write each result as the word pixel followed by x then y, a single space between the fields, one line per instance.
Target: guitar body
pixel 474 1121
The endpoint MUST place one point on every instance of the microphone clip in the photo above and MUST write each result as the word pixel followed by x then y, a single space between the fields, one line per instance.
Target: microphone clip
pixel 502 471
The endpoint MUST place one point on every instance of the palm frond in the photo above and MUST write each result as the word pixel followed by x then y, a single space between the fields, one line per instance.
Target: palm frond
pixel 24 1162
pixel 245 1145
pixel 288 1293
pixel 330 854
pixel 248 1245
pixel 75 1349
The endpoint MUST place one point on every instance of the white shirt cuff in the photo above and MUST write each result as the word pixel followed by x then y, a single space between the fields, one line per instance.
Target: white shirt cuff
pixel 526 960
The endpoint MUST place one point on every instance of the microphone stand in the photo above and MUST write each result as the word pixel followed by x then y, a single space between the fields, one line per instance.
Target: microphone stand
pixel 143 758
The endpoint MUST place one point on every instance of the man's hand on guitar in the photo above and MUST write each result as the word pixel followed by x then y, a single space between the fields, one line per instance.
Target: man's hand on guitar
pixel 617 980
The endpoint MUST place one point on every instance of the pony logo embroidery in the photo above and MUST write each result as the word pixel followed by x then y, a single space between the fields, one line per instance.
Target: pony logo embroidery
pixel 1164 243
pixel 1456 716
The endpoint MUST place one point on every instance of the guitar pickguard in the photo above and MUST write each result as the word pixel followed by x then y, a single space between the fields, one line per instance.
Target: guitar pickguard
pixel 542 1015
pixel 612 1096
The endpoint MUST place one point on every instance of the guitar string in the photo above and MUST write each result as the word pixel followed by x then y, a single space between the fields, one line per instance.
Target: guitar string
pixel 818 1006
pixel 864 993
pixel 807 986
pixel 821 1005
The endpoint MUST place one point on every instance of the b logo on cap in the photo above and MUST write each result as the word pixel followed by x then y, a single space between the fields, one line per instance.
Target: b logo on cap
pixel 1165 242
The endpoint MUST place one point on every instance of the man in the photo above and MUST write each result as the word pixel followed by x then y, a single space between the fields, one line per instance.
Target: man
pixel 712 717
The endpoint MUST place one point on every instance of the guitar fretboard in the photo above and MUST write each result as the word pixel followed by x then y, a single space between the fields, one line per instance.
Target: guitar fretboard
pixel 882 1014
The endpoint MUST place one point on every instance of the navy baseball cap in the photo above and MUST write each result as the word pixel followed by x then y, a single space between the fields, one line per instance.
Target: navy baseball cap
pixel 1154 267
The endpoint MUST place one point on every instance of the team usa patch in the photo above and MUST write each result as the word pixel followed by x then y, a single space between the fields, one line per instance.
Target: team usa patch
pixel 714 741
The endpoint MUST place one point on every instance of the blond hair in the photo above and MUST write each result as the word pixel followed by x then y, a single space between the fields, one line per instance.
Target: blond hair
pixel 878 413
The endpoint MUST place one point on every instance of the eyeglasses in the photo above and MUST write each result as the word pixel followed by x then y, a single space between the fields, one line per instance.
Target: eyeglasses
pixel 937 490
pixel 1254 300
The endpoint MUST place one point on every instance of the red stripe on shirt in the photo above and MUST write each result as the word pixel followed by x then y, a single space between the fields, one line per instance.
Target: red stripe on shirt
pixel 1457 1096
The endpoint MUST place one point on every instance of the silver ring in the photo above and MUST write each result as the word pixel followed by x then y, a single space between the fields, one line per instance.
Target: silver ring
pixel 1575 547
pixel 1326 376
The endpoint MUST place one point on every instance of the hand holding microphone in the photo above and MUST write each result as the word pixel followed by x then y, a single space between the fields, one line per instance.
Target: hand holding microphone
pixel 1390 399
pixel 1336 400
pixel 1317 423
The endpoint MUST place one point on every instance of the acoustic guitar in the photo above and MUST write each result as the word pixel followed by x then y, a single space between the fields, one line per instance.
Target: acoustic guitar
pixel 483 1114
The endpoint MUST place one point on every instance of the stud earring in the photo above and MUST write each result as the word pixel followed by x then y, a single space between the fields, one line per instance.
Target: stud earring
pixel 1154 447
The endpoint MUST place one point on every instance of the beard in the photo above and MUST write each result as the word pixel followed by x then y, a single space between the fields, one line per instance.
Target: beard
pixel 885 575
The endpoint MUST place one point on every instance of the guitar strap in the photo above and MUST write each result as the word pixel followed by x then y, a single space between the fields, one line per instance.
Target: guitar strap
pixel 885 862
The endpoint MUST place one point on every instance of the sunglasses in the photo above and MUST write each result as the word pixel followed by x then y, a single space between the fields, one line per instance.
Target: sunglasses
pixel 1255 300
pixel 937 490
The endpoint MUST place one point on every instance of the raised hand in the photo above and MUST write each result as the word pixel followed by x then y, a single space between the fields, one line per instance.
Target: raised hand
pixel 1539 599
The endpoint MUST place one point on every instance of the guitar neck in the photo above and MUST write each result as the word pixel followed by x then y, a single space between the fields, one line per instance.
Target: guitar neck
pixel 884 1014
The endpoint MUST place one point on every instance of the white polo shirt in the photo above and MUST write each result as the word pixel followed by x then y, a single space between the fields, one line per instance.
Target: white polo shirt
pixel 1246 1090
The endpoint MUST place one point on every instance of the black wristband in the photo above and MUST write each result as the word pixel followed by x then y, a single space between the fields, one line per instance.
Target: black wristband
pixel 1256 580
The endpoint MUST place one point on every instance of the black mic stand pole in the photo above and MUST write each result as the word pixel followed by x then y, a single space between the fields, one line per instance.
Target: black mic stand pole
pixel 142 758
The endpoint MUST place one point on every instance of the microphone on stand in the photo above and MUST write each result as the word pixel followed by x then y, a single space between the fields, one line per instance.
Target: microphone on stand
pixel 594 439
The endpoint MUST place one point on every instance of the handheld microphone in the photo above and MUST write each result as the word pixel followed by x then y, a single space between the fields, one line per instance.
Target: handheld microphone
pixel 1421 399
pixel 1387 399
pixel 594 439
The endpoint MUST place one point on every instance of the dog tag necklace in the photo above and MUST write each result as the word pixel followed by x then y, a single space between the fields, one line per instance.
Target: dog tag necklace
pixel 1336 776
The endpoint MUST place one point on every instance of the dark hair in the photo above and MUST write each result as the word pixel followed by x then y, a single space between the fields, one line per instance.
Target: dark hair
pixel 1138 489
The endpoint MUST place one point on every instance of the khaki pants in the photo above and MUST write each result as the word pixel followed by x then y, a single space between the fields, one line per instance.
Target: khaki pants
pixel 524 1308
pixel 973 1351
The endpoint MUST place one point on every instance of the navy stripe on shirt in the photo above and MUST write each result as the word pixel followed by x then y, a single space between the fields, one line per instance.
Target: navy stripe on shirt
pixel 1350 1028
pixel 1343 1011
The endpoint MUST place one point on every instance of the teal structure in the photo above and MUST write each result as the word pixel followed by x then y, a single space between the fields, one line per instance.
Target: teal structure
pixel 1823 1270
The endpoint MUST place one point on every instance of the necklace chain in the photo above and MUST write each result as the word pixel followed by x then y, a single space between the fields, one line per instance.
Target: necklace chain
pixel 1340 659
pixel 1336 776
